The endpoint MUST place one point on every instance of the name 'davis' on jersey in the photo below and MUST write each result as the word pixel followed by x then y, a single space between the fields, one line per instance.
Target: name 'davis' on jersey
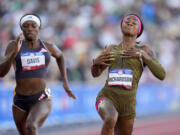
pixel 123 79
pixel 34 60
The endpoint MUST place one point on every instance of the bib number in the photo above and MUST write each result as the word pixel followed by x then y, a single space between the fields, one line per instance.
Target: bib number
pixel 121 77
pixel 32 60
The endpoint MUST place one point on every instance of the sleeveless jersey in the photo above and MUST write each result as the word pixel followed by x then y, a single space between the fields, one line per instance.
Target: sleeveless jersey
pixel 32 62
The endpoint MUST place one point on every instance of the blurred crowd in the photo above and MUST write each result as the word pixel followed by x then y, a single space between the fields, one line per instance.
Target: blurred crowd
pixel 82 28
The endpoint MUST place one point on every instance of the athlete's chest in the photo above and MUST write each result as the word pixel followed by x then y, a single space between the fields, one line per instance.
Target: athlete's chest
pixel 124 61
pixel 32 59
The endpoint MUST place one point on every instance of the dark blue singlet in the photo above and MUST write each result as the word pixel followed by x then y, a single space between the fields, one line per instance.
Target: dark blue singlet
pixel 32 63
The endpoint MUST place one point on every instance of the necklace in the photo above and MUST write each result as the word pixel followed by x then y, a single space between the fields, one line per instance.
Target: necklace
pixel 128 48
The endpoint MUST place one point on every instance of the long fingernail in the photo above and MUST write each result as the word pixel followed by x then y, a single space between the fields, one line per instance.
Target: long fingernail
pixel 113 55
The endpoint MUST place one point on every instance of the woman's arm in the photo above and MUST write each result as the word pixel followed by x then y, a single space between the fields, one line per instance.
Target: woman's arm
pixel 57 53
pixel 154 66
pixel 10 54
pixel 102 61
pixel 97 69
pixel 146 54
pixel 6 61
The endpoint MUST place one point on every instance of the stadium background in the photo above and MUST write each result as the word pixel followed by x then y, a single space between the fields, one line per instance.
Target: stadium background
pixel 81 28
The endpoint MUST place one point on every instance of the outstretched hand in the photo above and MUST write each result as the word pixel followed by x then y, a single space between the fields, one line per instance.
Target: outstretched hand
pixel 68 91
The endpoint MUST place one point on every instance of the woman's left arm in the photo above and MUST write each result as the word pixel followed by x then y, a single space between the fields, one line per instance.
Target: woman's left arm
pixel 152 63
pixel 57 53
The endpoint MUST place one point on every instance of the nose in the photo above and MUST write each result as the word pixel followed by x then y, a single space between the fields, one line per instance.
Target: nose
pixel 30 28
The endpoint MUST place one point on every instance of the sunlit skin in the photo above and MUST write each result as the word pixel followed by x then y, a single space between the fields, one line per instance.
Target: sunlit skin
pixel 30 30
pixel 130 26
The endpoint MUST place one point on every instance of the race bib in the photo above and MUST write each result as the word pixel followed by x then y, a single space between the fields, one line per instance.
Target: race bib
pixel 121 77
pixel 32 60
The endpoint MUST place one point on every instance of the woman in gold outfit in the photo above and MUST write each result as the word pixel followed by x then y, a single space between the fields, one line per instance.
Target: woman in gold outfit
pixel 116 102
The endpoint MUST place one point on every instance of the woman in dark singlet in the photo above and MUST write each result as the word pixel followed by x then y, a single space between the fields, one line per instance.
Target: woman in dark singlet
pixel 116 102
pixel 30 58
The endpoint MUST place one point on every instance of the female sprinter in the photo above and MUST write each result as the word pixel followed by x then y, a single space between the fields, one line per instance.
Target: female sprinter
pixel 30 58
pixel 116 102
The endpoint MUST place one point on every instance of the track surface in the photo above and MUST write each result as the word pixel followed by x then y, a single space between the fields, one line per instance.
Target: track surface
pixel 145 126
pixel 154 126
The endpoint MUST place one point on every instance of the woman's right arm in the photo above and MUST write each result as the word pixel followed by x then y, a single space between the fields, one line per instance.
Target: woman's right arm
pixel 10 54
pixel 6 61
